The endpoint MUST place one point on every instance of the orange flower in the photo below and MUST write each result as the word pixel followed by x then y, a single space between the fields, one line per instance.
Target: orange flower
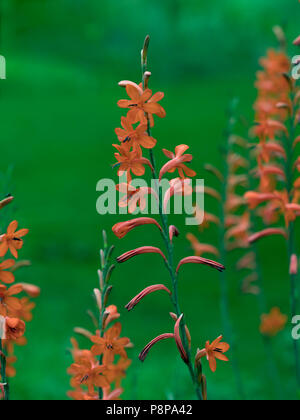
pixel 8 303
pixel 6 276
pixel 88 372
pixel 142 103
pixel 10 370
pixel 12 240
pixel 110 344
pixel 134 197
pixel 273 323
pixel 135 136
pixel 268 129
pixel 14 328
pixel 178 160
pixel 130 161
pixel 25 312
pixel 119 370
pixel 241 229
pixel 112 314
pixel 214 351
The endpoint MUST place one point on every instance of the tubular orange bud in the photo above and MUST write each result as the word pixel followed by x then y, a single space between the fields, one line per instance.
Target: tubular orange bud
pixel 6 201
pixel 200 260
pixel 267 232
pixel 121 229
pixel 179 341
pixel 142 250
pixel 204 387
pixel 294 265
pixel 125 83
pixel 83 332
pixel 97 295
pixel 31 290
pixel 146 350
pixel 144 293
pixel 173 231
pixel 187 331
pixel 147 76
pixel 297 41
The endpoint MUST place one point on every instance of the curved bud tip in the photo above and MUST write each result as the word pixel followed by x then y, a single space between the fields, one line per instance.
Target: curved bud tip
pixel 294 265
pixel 173 231
pixel 145 50
pixel 297 41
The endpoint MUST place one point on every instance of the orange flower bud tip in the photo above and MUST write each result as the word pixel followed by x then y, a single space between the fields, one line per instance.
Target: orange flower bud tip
pixel 173 231
pixel 297 41
pixel 294 265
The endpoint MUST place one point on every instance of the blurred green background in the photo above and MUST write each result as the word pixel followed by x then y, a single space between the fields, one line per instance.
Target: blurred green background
pixel 58 114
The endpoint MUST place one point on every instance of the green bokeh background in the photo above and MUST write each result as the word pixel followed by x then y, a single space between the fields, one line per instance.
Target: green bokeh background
pixel 58 114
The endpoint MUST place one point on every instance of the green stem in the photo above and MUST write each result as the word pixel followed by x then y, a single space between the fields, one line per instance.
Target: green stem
pixel 172 271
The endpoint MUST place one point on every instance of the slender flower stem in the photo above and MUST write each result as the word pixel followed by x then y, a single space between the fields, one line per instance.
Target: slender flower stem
pixel 228 330
pixel 3 372
pixel 291 246
pixel 170 261
pixel 105 265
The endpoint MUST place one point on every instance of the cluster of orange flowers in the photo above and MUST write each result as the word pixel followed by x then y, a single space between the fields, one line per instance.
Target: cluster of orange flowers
pixel 15 310
pixel 135 135
pixel 97 373
pixel 276 201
